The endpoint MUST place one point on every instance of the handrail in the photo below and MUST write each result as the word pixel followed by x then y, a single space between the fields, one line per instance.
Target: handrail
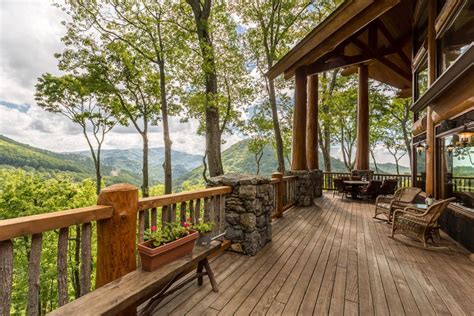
pixel 35 224
pixel 288 178
pixel 168 199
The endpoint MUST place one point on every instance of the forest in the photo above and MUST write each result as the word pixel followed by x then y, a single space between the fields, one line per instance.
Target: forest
pixel 138 63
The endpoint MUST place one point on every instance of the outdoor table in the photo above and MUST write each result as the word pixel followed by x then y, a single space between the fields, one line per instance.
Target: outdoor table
pixel 355 184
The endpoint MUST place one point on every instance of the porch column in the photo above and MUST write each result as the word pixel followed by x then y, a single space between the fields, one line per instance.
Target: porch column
pixel 362 154
pixel 298 152
pixel 312 124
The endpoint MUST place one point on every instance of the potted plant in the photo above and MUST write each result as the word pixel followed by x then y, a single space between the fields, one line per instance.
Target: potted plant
pixel 164 246
pixel 204 229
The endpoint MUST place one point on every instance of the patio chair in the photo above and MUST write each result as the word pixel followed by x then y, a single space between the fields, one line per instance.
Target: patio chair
pixel 340 188
pixel 413 222
pixel 371 190
pixel 386 204
pixel 388 186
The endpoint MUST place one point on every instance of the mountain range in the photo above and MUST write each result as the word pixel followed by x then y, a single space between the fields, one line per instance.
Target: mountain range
pixel 125 165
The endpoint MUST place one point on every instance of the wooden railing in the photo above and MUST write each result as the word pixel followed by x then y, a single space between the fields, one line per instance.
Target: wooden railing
pixel 404 180
pixel 115 217
pixel 465 184
pixel 284 188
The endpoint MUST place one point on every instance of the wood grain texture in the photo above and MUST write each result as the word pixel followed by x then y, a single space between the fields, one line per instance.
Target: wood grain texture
pixel 157 201
pixel 298 149
pixel 62 266
pixel 86 258
pixel 334 258
pixel 35 224
pixel 362 151
pixel 133 288
pixel 312 124
pixel 6 276
pixel 116 236
pixel 34 275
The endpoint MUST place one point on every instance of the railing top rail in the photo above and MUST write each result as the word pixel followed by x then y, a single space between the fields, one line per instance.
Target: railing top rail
pixel 287 178
pixel 35 224
pixel 274 180
pixel 168 199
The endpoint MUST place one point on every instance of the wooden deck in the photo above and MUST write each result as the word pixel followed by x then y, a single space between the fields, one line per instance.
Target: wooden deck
pixel 333 258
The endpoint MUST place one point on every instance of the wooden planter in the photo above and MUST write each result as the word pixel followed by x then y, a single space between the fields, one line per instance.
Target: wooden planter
pixel 154 258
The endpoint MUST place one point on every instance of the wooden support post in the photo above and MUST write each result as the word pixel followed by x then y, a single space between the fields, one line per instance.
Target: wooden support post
pixel 298 153
pixel 116 236
pixel 430 130
pixel 362 156
pixel 6 276
pixel 312 124
pixel 278 193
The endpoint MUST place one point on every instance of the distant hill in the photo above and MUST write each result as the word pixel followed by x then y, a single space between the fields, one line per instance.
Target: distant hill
pixel 131 160
pixel 239 159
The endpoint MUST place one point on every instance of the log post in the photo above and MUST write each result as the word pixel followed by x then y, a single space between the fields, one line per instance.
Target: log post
pixel 278 194
pixel 116 236
pixel 298 153
pixel 312 124
pixel 362 156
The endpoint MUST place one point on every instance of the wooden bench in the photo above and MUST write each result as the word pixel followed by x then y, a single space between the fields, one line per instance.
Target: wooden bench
pixel 123 295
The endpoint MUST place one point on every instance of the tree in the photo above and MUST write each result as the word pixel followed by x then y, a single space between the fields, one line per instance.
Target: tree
pixel 395 147
pixel 258 129
pixel 272 27
pixel 202 13
pixel 75 97
pixel 399 110
pixel 144 27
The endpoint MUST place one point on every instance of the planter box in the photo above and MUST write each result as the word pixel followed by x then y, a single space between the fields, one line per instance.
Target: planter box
pixel 204 239
pixel 154 258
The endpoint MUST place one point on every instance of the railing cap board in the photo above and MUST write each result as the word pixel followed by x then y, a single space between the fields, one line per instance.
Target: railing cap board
pixel 168 199
pixel 35 224
pixel 286 178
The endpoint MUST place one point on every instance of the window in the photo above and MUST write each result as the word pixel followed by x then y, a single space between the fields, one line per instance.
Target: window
pixel 456 166
pixel 420 161
pixel 457 37
pixel 421 79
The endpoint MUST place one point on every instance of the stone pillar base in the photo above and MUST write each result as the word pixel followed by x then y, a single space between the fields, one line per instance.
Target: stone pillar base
pixel 248 211
pixel 309 184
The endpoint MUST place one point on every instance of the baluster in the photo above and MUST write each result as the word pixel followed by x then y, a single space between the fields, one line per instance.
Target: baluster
pixel 164 215
pixel 191 211
pixel 173 212
pixel 207 210
pixel 222 212
pixel 141 225
pixel 182 212
pixel 34 275
pixel 62 265
pixel 85 274
pixel 6 275
pixel 197 210
pixel 154 217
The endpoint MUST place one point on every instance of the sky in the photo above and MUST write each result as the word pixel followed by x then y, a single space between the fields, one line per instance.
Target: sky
pixel 30 35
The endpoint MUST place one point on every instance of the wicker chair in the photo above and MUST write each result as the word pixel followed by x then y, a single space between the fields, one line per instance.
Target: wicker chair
pixel 340 188
pixel 412 222
pixel 388 186
pixel 386 204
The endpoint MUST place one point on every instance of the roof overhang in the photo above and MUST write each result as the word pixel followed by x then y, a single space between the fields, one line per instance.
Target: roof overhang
pixel 345 39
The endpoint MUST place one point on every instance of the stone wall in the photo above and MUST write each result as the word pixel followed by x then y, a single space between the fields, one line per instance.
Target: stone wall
pixel 248 211
pixel 309 184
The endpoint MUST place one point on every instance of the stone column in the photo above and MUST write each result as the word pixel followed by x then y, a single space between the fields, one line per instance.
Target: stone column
pixel 308 185
pixel 248 211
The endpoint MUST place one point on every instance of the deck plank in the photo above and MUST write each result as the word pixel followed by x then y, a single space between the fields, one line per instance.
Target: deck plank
pixel 334 258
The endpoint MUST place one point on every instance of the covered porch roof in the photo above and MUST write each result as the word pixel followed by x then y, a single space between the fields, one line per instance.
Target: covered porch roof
pixel 376 33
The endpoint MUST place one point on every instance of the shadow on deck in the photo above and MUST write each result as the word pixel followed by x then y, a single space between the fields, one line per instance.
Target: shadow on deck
pixel 334 258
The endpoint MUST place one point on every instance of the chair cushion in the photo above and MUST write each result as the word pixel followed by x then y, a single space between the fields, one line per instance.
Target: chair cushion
pixel 384 205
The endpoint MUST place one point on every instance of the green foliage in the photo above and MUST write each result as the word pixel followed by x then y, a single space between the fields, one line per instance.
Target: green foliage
pixel 203 227
pixel 24 193
pixel 172 231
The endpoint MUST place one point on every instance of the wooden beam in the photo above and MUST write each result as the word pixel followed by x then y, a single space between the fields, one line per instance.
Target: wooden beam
pixel 405 75
pixel 312 124
pixel 397 43
pixel 362 153
pixel 298 153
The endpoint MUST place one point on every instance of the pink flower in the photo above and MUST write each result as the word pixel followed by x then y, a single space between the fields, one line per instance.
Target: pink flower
pixel 153 228
pixel 185 224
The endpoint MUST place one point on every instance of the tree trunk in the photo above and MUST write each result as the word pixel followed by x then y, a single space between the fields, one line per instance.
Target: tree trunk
pixel 213 134
pixel 166 131
pixel 276 125
pixel 375 162
pixel 145 182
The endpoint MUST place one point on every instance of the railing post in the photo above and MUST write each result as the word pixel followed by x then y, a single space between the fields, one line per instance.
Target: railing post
pixel 278 194
pixel 117 236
